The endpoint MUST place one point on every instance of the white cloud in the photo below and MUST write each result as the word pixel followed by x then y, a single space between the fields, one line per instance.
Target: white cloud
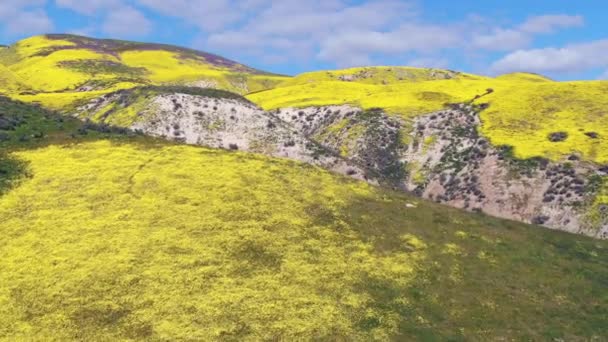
pixel 88 7
pixel 502 40
pixel 24 17
pixel 550 23
pixel 331 30
pixel 29 22
pixel 350 34
pixel 521 36
pixel 209 15
pixel 126 22
pixel 12 7
pixel 84 31
pixel 119 18
pixel 338 31
pixel 571 58
pixel 407 38
pixel 317 17
pixel 429 62
pixel 343 32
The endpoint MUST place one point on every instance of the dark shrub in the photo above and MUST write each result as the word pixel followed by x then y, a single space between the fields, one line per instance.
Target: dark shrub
pixel 6 124
pixel 540 220
pixel 592 135
pixel 233 147
pixel 484 106
pixel 558 136
pixel 574 157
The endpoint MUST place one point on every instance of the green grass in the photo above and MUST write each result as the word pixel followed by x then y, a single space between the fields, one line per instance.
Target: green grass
pixel 32 126
pixel 113 237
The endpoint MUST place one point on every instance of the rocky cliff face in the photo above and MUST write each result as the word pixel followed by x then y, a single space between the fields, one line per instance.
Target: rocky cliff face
pixel 450 163
pixel 225 123
pixel 439 156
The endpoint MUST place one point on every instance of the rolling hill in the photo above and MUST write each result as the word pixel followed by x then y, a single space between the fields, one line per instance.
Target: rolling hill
pixel 523 108
pixel 58 70
pixel 527 128
pixel 314 207
pixel 108 234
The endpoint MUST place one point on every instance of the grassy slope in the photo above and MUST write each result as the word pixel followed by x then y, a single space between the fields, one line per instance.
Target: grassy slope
pixel 524 109
pixel 9 83
pixel 379 75
pixel 52 67
pixel 135 238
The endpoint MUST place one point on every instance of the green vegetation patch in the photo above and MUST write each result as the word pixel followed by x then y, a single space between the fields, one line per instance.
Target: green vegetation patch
pixel 126 106
pixel 11 170
pixel 94 67
pixel 26 126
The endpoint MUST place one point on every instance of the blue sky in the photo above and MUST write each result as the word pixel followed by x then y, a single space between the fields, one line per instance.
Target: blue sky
pixel 563 39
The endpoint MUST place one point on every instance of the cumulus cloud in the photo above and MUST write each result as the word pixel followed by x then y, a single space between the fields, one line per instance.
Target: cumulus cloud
pixel 429 62
pixel 502 40
pixel 551 23
pixel 84 31
pixel 521 36
pixel 126 22
pixel 330 30
pixel 11 7
pixel 571 58
pixel 343 32
pixel 88 7
pixel 350 34
pixel 24 17
pixel 209 15
pixel 119 18
pixel 406 38
pixel 340 32
pixel 29 22
pixel 319 18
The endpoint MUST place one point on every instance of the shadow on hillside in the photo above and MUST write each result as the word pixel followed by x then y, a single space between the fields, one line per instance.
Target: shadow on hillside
pixel 26 126
pixel 480 276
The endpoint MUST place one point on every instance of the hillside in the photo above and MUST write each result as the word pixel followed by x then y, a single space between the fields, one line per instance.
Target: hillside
pixel 113 235
pixel 9 83
pixel 59 70
pixel 523 109
pixel 523 147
